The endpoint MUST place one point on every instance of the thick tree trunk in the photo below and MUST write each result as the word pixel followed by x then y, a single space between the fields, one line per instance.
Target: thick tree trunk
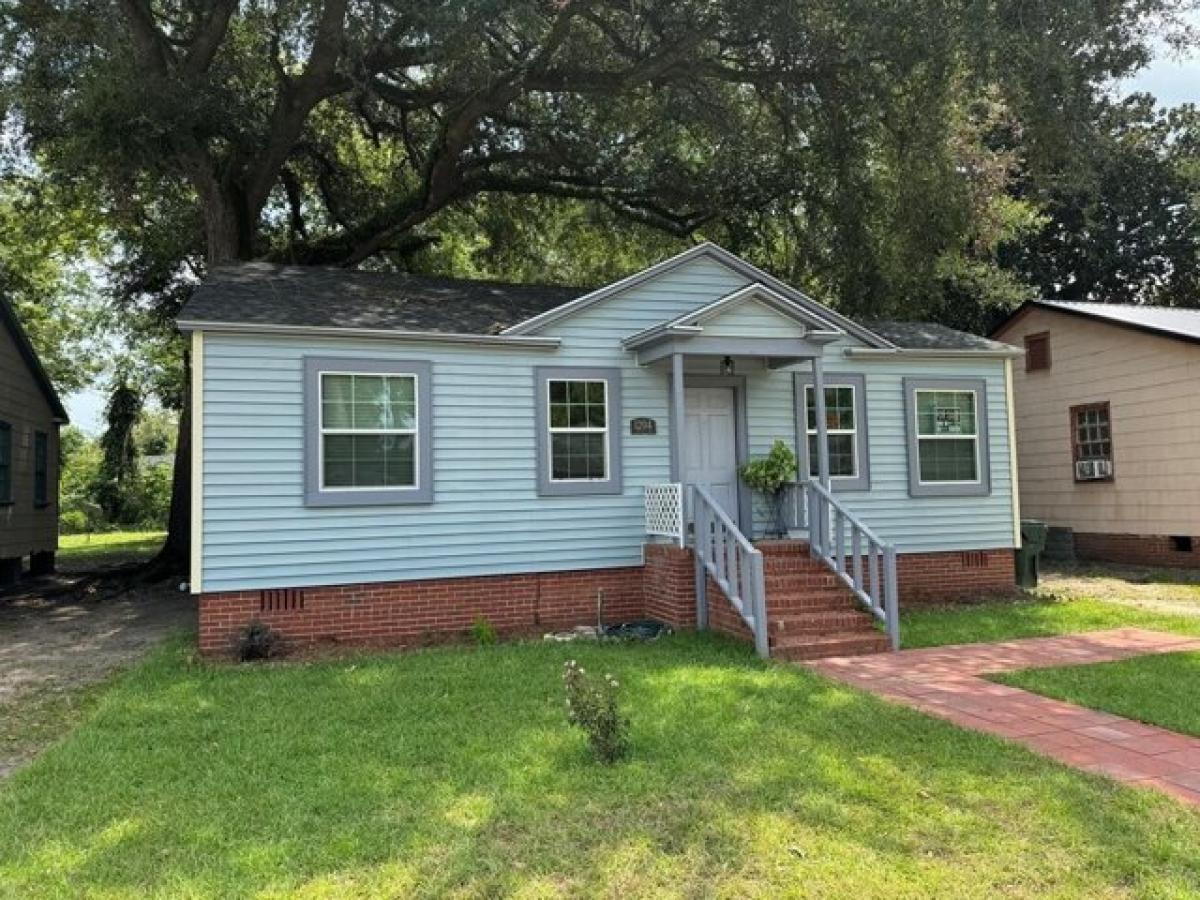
pixel 229 236
pixel 175 555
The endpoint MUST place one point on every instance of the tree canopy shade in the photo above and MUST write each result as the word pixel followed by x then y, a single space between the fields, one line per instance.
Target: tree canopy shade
pixel 894 159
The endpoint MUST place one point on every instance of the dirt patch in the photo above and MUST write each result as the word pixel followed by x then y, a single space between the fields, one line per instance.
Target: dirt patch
pixel 61 636
pixel 1162 590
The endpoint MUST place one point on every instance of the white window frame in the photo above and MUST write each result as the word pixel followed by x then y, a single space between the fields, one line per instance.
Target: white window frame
pixel 547 484
pixel 974 436
pixel 316 492
pixel 579 429
pixel 810 391
pixel 415 431
pixel 981 484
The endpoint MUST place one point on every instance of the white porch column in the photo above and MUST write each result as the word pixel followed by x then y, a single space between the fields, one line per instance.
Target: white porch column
pixel 822 428
pixel 677 414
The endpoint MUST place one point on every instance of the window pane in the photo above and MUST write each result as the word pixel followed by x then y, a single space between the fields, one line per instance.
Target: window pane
pixel 839 408
pixel 560 456
pixel 947 460
pixel 558 415
pixel 841 456
pixel 370 460
pixel 402 400
pixel 946 412
pixel 577 456
pixel 337 395
pixel 578 415
pixel 596 413
pixel 339 460
pixel 370 402
pixel 595 392
pixel 810 408
pixel 576 392
pixel 400 461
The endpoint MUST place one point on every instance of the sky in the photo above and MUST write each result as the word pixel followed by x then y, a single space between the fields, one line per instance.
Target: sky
pixel 1171 80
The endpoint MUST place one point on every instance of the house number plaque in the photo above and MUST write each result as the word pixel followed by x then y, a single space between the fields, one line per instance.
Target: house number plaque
pixel 643 425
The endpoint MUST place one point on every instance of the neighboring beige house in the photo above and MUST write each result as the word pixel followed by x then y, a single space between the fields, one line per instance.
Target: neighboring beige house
pixel 30 416
pixel 1108 428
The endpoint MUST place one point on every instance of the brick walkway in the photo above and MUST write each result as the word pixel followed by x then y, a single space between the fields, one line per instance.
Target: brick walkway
pixel 946 682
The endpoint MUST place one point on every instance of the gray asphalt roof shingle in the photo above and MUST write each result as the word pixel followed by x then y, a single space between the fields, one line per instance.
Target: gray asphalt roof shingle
pixel 310 296
pixel 1167 319
pixel 931 336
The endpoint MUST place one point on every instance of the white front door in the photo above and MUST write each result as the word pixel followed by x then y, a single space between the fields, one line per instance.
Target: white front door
pixel 710 448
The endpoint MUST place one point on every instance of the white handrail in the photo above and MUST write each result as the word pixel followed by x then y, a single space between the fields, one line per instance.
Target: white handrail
pixel 828 521
pixel 735 564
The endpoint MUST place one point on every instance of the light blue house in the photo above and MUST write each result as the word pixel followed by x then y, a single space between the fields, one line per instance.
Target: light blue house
pixel 390 458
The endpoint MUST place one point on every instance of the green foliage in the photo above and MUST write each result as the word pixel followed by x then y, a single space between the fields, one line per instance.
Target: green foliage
pixel 592 706
pixel 768 474
pixel 74 521
pixel 452 778
pixel 118 465
pixel 483 632
pixel 1160 690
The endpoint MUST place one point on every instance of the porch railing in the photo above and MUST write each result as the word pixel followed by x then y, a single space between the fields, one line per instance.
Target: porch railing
pixel 727 555
pixel 865 562
pixel 664 511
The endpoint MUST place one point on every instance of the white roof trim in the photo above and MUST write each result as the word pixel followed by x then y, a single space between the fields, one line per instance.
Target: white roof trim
pixel 930 353
pixel 689 324
pixel 433 337
pixel 721 256
pixel 760 293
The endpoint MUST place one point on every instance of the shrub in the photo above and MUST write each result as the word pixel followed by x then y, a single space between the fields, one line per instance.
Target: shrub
pixel 592 705
pixel 258 641
pixel 74 521
pixel 483 632
pixel 770 473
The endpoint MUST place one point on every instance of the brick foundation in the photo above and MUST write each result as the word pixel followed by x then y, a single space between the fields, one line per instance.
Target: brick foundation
pixel 669 585
pixel 954 575
pixel 1136 549
pixel 411 613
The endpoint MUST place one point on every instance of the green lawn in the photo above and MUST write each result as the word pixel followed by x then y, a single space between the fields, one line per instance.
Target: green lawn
pixel 452 771
pixel 1159 690
pixel 1010 619
pixel 107 548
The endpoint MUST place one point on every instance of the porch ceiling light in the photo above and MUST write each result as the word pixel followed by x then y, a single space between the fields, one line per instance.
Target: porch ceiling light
pixel 727 366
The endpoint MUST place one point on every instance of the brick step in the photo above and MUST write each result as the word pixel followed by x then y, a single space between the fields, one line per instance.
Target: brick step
pixel 820 622
pixel 849 643
pixel 807 601
pixel 785 582
pixel 788 565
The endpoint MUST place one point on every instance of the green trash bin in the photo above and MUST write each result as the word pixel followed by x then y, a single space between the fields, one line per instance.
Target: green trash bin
pixel 1033 542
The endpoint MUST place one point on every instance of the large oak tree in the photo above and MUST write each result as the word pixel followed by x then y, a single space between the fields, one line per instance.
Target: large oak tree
pixel 346 131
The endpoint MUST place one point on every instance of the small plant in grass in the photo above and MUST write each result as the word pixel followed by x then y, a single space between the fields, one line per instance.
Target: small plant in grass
pixel 769 474
pixel 483 632
pixel 258 641
pixel 592 705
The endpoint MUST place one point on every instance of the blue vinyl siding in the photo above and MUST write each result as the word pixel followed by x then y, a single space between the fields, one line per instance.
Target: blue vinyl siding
pixel 487 517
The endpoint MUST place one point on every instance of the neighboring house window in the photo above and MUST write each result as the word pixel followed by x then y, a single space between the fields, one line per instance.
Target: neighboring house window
pixel 579 431
pixel 368 438
pixel 6 457
pixel 845 425
pixel 947 437
pixel 41 468
pixel 1091 439
pixel 1037 352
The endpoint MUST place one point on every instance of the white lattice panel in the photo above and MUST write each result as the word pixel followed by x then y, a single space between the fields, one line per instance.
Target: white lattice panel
pixel 664 510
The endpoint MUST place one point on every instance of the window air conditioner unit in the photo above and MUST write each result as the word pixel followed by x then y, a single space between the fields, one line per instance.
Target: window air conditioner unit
pixel 1093 469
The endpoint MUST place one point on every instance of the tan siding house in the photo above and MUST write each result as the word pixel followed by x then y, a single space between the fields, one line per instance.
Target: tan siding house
pixel 1108 427
pixel 30 416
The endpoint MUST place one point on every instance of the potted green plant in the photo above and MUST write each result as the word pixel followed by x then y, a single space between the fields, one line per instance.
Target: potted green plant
pixel 769 475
